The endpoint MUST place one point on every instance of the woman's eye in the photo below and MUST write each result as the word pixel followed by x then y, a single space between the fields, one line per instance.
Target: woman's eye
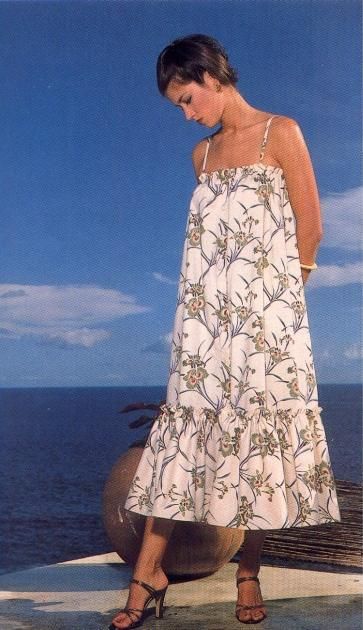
pixel 186 102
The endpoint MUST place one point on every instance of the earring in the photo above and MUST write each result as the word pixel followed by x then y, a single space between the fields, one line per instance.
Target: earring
pixel 218 87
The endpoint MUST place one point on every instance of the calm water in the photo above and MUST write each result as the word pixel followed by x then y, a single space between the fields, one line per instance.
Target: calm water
pixel 58 445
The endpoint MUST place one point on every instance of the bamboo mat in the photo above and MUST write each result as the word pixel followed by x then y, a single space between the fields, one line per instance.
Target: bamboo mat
pixel 332 543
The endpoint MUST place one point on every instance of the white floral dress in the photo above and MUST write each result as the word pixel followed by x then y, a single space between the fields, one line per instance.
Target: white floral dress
pixel 240 440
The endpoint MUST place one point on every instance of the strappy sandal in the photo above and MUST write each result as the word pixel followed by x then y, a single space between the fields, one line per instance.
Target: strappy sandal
pixel 245 607
pixel 158 595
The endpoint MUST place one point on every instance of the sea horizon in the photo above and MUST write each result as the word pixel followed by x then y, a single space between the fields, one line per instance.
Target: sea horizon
pixel 131 386
pixel 57 448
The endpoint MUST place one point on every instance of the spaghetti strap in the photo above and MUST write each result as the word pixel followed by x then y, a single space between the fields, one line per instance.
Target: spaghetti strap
pixel 264 141
pixel 262 150
pixel 205 154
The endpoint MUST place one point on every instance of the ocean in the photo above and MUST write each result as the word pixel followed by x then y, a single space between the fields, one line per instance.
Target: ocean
pixel 58 445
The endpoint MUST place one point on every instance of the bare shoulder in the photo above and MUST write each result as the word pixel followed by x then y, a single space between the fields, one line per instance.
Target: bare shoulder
pixel 198 155
pixel 285 128
pixel 286 139
pixel 289 148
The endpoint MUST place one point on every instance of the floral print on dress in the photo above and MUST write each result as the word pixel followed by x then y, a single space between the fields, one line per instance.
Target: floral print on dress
pixel 240 440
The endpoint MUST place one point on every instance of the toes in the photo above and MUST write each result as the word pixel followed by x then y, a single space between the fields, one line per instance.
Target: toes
pixel 257 616
pixel 250 615
pixel 121 621
pixel 243 616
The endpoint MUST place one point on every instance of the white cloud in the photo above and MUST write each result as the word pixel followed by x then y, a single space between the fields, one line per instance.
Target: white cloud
pixel 342 219
pixel 162 344
pixel 342 225
pixel 335 275
pixel 114 376
pixel 325 354
pixel 65 315
pixel 55 334
pixel 161 278
pixel 354 351
pixel 168 337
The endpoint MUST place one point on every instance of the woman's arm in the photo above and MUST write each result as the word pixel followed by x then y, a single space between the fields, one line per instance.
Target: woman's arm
pixel 290 150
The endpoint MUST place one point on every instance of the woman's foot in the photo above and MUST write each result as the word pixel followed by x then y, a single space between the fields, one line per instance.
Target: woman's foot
pixel 138 595
pixel 249 594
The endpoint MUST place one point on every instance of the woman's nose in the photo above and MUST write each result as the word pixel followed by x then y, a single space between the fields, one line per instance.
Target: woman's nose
pixel 189 115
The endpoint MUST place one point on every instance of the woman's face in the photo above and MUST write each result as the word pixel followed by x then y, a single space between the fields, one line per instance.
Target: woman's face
pixel 201 103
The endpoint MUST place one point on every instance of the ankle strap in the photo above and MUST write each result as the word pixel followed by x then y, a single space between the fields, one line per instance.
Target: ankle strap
pixel 147 586
pixel 252 577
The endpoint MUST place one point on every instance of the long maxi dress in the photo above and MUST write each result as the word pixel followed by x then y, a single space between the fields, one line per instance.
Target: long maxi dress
pixel 240 440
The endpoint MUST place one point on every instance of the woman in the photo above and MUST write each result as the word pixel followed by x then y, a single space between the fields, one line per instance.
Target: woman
pixel 239 441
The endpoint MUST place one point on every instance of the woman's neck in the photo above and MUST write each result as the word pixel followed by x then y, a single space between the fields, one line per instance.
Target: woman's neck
pixel 238 114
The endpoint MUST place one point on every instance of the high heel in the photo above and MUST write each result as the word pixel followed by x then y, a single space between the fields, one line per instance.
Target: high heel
pixel 158 595
pixel 245 607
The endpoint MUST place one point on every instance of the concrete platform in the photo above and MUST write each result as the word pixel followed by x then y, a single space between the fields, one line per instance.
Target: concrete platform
pixel 85 594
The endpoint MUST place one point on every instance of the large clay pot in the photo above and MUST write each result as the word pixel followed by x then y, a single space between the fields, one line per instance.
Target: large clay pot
pixel 194 549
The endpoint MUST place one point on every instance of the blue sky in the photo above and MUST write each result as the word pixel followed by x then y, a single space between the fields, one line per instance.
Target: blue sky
pixel 96 177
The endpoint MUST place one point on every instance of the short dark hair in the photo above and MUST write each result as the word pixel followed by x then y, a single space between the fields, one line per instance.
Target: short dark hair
pixel 187 58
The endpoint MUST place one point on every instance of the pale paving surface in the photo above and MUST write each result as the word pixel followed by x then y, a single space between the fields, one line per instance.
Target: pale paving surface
pixel 84 594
